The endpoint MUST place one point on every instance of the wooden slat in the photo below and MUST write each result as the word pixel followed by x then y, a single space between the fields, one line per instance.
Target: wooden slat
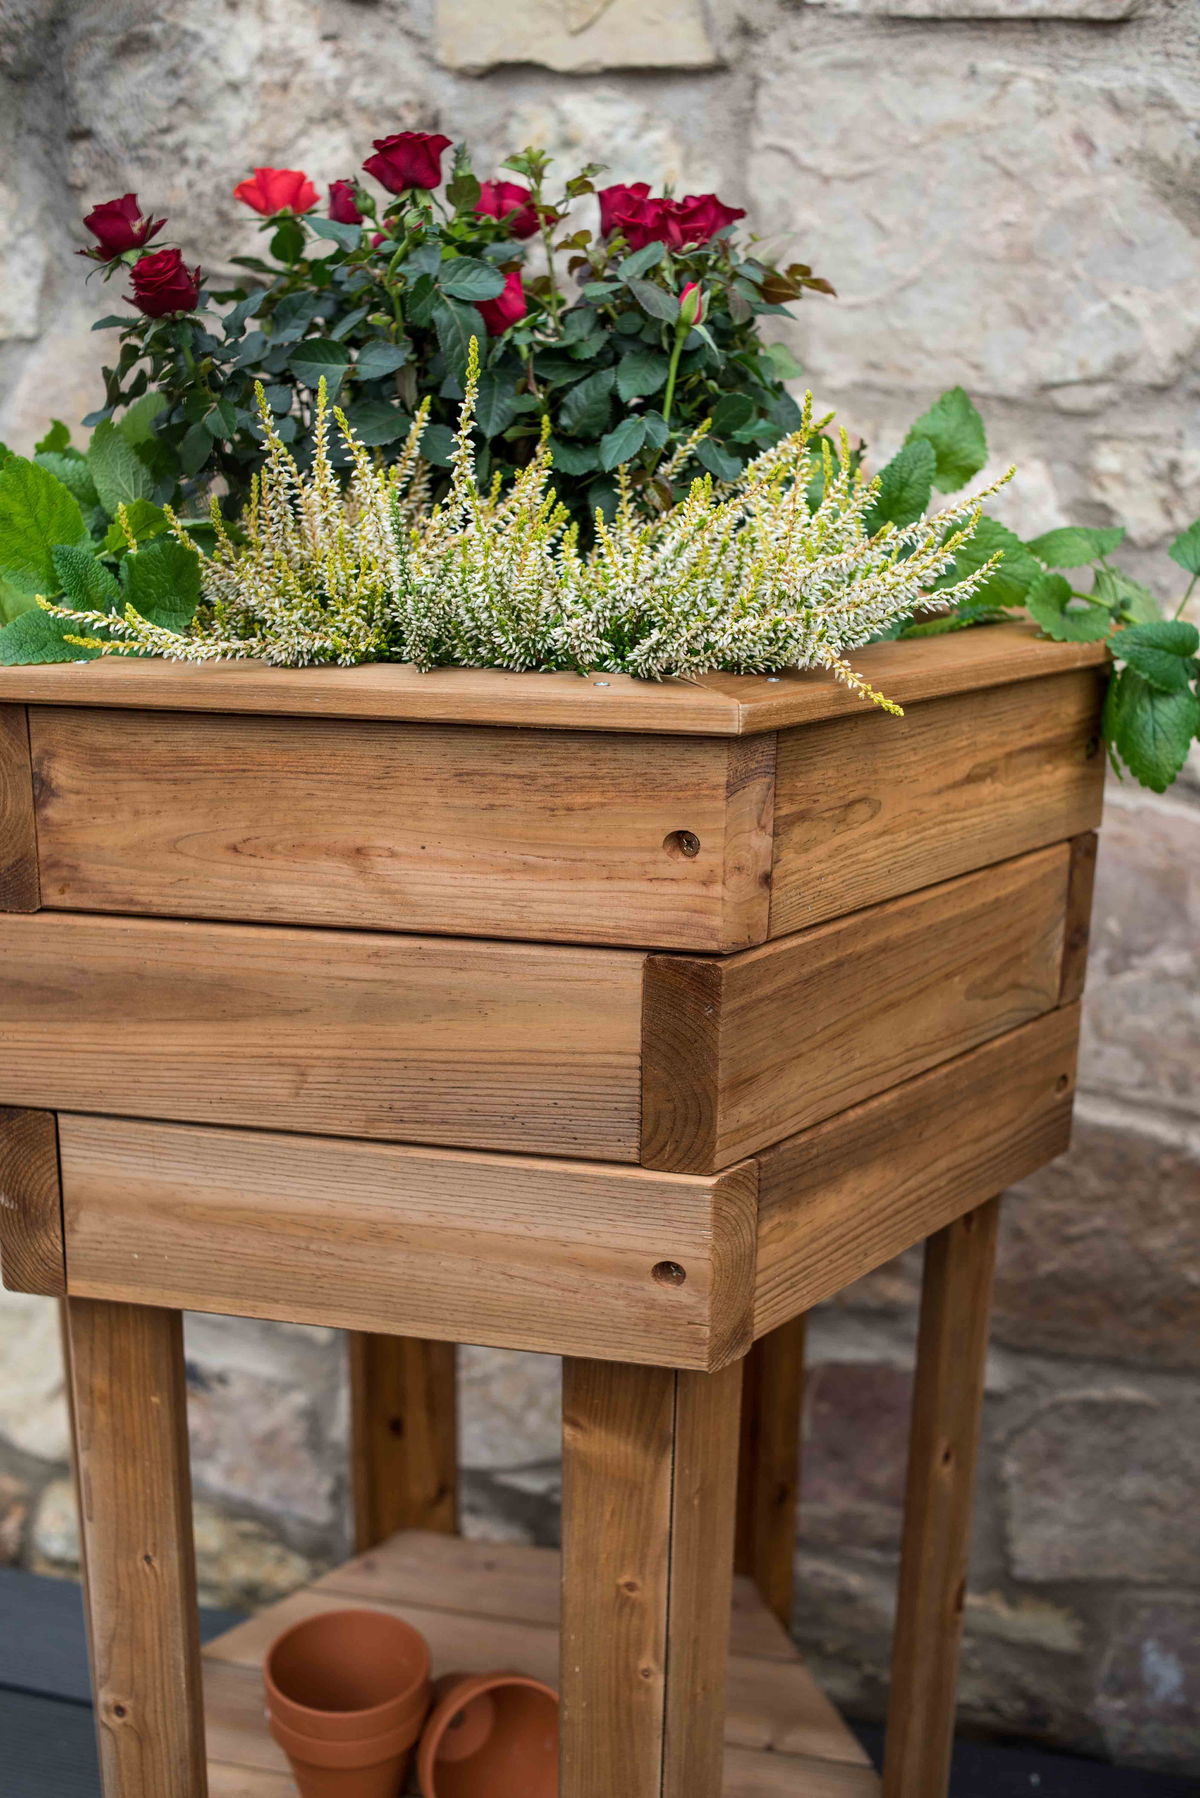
pixel 19 884
pixel 714 705
pixel 741 1053
pixel 31 1226
pixel 511 1251
pixel 769 1464
pixel 403 1419
pixel 844 1197
pixel 871 806
pixel 784 1776
pixel 130 1411
pixel 414 827
pixel 956 1297
pixel 1082 880
pixel 414 1039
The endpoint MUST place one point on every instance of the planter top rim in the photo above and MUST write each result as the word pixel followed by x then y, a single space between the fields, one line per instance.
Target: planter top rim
pixel 722 705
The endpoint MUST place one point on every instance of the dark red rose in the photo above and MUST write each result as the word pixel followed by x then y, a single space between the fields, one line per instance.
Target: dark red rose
pixel 619 195
pixel 409 159
pixel 498 198
pixel 703 215
pixel 277 190
pixel 642 221
pixel 341 203
pixel 163 283
pixel 118 226
pixel 507 307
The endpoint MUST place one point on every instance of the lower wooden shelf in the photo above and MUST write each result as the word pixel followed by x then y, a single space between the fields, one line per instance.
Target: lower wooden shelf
pixel 495 1604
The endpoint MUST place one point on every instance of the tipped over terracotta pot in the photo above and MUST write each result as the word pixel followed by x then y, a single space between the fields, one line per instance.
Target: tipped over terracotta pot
pixel 490 1735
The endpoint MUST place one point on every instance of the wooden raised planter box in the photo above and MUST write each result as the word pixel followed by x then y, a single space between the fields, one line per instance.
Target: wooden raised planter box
pixel 615 1020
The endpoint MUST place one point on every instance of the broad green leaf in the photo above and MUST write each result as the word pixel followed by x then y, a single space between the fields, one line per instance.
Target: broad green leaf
pixel 463 278
pixel 1126 597
pixel 136 423
pixel 955 429
pixel 495 406
pixel 655 300
pixel 378 359
pixel 643 371
pixel 1110 717
pixel 636 264
pixel 36 513
pixel 36 636
pixel 74 474
pixel 574 458
pixel 731 413
pixel 717 461
pixel 162 582
pixel 117 472
pixel 287 243
pixel 236 317
pixel 58 437
pixel 426 259
pixel 1007 584
pixel 12 603
pixel 317 357
pixel 619 445
pixel 1161 652
pixel 1154 730
pixel 1170 634
pixel 782 361
pixel 113 321
pixel 585 410
pixel 456 323
pixel 195 450
pixel 348 321
pixel 1048 602
pixel 346 237
pixel 905 485
pixel 377 422
pixel 221 419
pixel 1186 549
pixel 145 521
pixel 656 430
pixel 1074 545
pixel 86 583
pixel 438 445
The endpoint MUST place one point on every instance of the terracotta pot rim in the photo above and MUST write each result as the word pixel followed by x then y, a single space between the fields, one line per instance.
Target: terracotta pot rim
pixel 343 1725
pixel 451 1697
pixel 366 1751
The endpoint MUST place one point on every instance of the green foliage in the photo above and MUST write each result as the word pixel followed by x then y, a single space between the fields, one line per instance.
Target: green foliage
pixel 1186 549
pixel 954 430
pixel 1074 545
pixel 1052 604
pixel 116 470
pixel 36 513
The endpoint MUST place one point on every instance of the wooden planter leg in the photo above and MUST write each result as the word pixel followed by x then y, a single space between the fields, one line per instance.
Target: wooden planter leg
pixel 404 1409
pixel 131 1456
pixel 956 1298
pixel 649 1494
pixel 769 1464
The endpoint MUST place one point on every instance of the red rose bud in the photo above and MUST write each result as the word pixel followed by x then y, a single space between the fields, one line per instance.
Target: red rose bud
pixel 342 209
pixel 162 283
pixel 118 225
pixel 409 159
pixel 277 190
pixel 506 308
pixel 691 304
pixel 611 198
pixel 703 215
pixel 499 198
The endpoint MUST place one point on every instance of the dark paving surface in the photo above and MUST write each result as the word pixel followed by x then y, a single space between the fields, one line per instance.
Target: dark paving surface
pixel 48 1750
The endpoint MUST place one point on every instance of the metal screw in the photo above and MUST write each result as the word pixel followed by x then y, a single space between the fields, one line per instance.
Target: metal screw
pixel 599 683
pixel 774 679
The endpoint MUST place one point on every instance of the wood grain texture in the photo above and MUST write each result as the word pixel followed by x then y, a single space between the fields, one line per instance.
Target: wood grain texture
pixel 769 1464
pixel 19 884
pixel 414 827
pixel 32 1257
pixel 844 1197
pixel 1081 883
pixel 714 705
pixel 511 1251
pixel 956 1297
pixel 412 1039
pixel 741 1053
pixel 132 1453
pixel 404 1435
pixel 871 806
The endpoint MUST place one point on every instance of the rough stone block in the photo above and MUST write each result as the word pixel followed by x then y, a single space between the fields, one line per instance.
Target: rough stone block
pixel 510 1408
pixel 33 1408
pixel 1148 1694
pixel 14 1509
pixel 1102 11
pixel 574 36
pixel 855 1455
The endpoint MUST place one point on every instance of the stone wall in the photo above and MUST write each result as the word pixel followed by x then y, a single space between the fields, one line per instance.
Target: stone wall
pixel 1006 193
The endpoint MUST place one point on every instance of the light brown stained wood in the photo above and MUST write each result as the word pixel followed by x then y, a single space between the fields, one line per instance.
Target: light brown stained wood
pixel 1081 882
pixel 741 1053
pixel 511 1251
pixel 403 1415
pixel 769 1464
pixel 842 1198
pixel 956 1298
pixel 414 1039
pixel 31 1228
pixel 413 827
pixel 714 705
pixel 19 888
pixel 871 806
pixel 131 1419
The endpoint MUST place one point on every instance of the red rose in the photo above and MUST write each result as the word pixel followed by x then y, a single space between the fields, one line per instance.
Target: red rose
pixel 703 215
pixel 498 198
pixel 118 226
pixel 612 197
pixel 341 203
pixel 409 159
pixel 642 221
pixel 507 307
pixel 162 283
pixel 277 190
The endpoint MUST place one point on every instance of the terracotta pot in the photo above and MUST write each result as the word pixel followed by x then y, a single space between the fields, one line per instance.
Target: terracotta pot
pixel 490 1735
pixel 346 1676
pixel 373 1767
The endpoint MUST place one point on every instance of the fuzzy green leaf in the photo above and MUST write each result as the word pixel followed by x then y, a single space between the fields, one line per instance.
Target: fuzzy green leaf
pixel 36 513
pixel 905 485
pixel 585 410
pixel 136 423
pixel 1007 584
pixel 1154 730
pixel 377 422
pixel 655 300
pixel 1186 549
pixel 643 371
pixel 1048 602
pixel 162 582
pixel 1161 652
pixel 378 359
pixel 317 357
pixel 117 472
pixel 74 474
pixel 86 583
pixel 456 323
pixel 1074 545
pixel 495 407
pixel 1125 597
pixel 58 437
pixel 145 521
pixel 463 278
pixel 36 636
pixel 955 429
pixel 619 445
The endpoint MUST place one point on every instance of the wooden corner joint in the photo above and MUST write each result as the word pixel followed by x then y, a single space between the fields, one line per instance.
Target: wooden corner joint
pixel 734 1264
pixel 32 1244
